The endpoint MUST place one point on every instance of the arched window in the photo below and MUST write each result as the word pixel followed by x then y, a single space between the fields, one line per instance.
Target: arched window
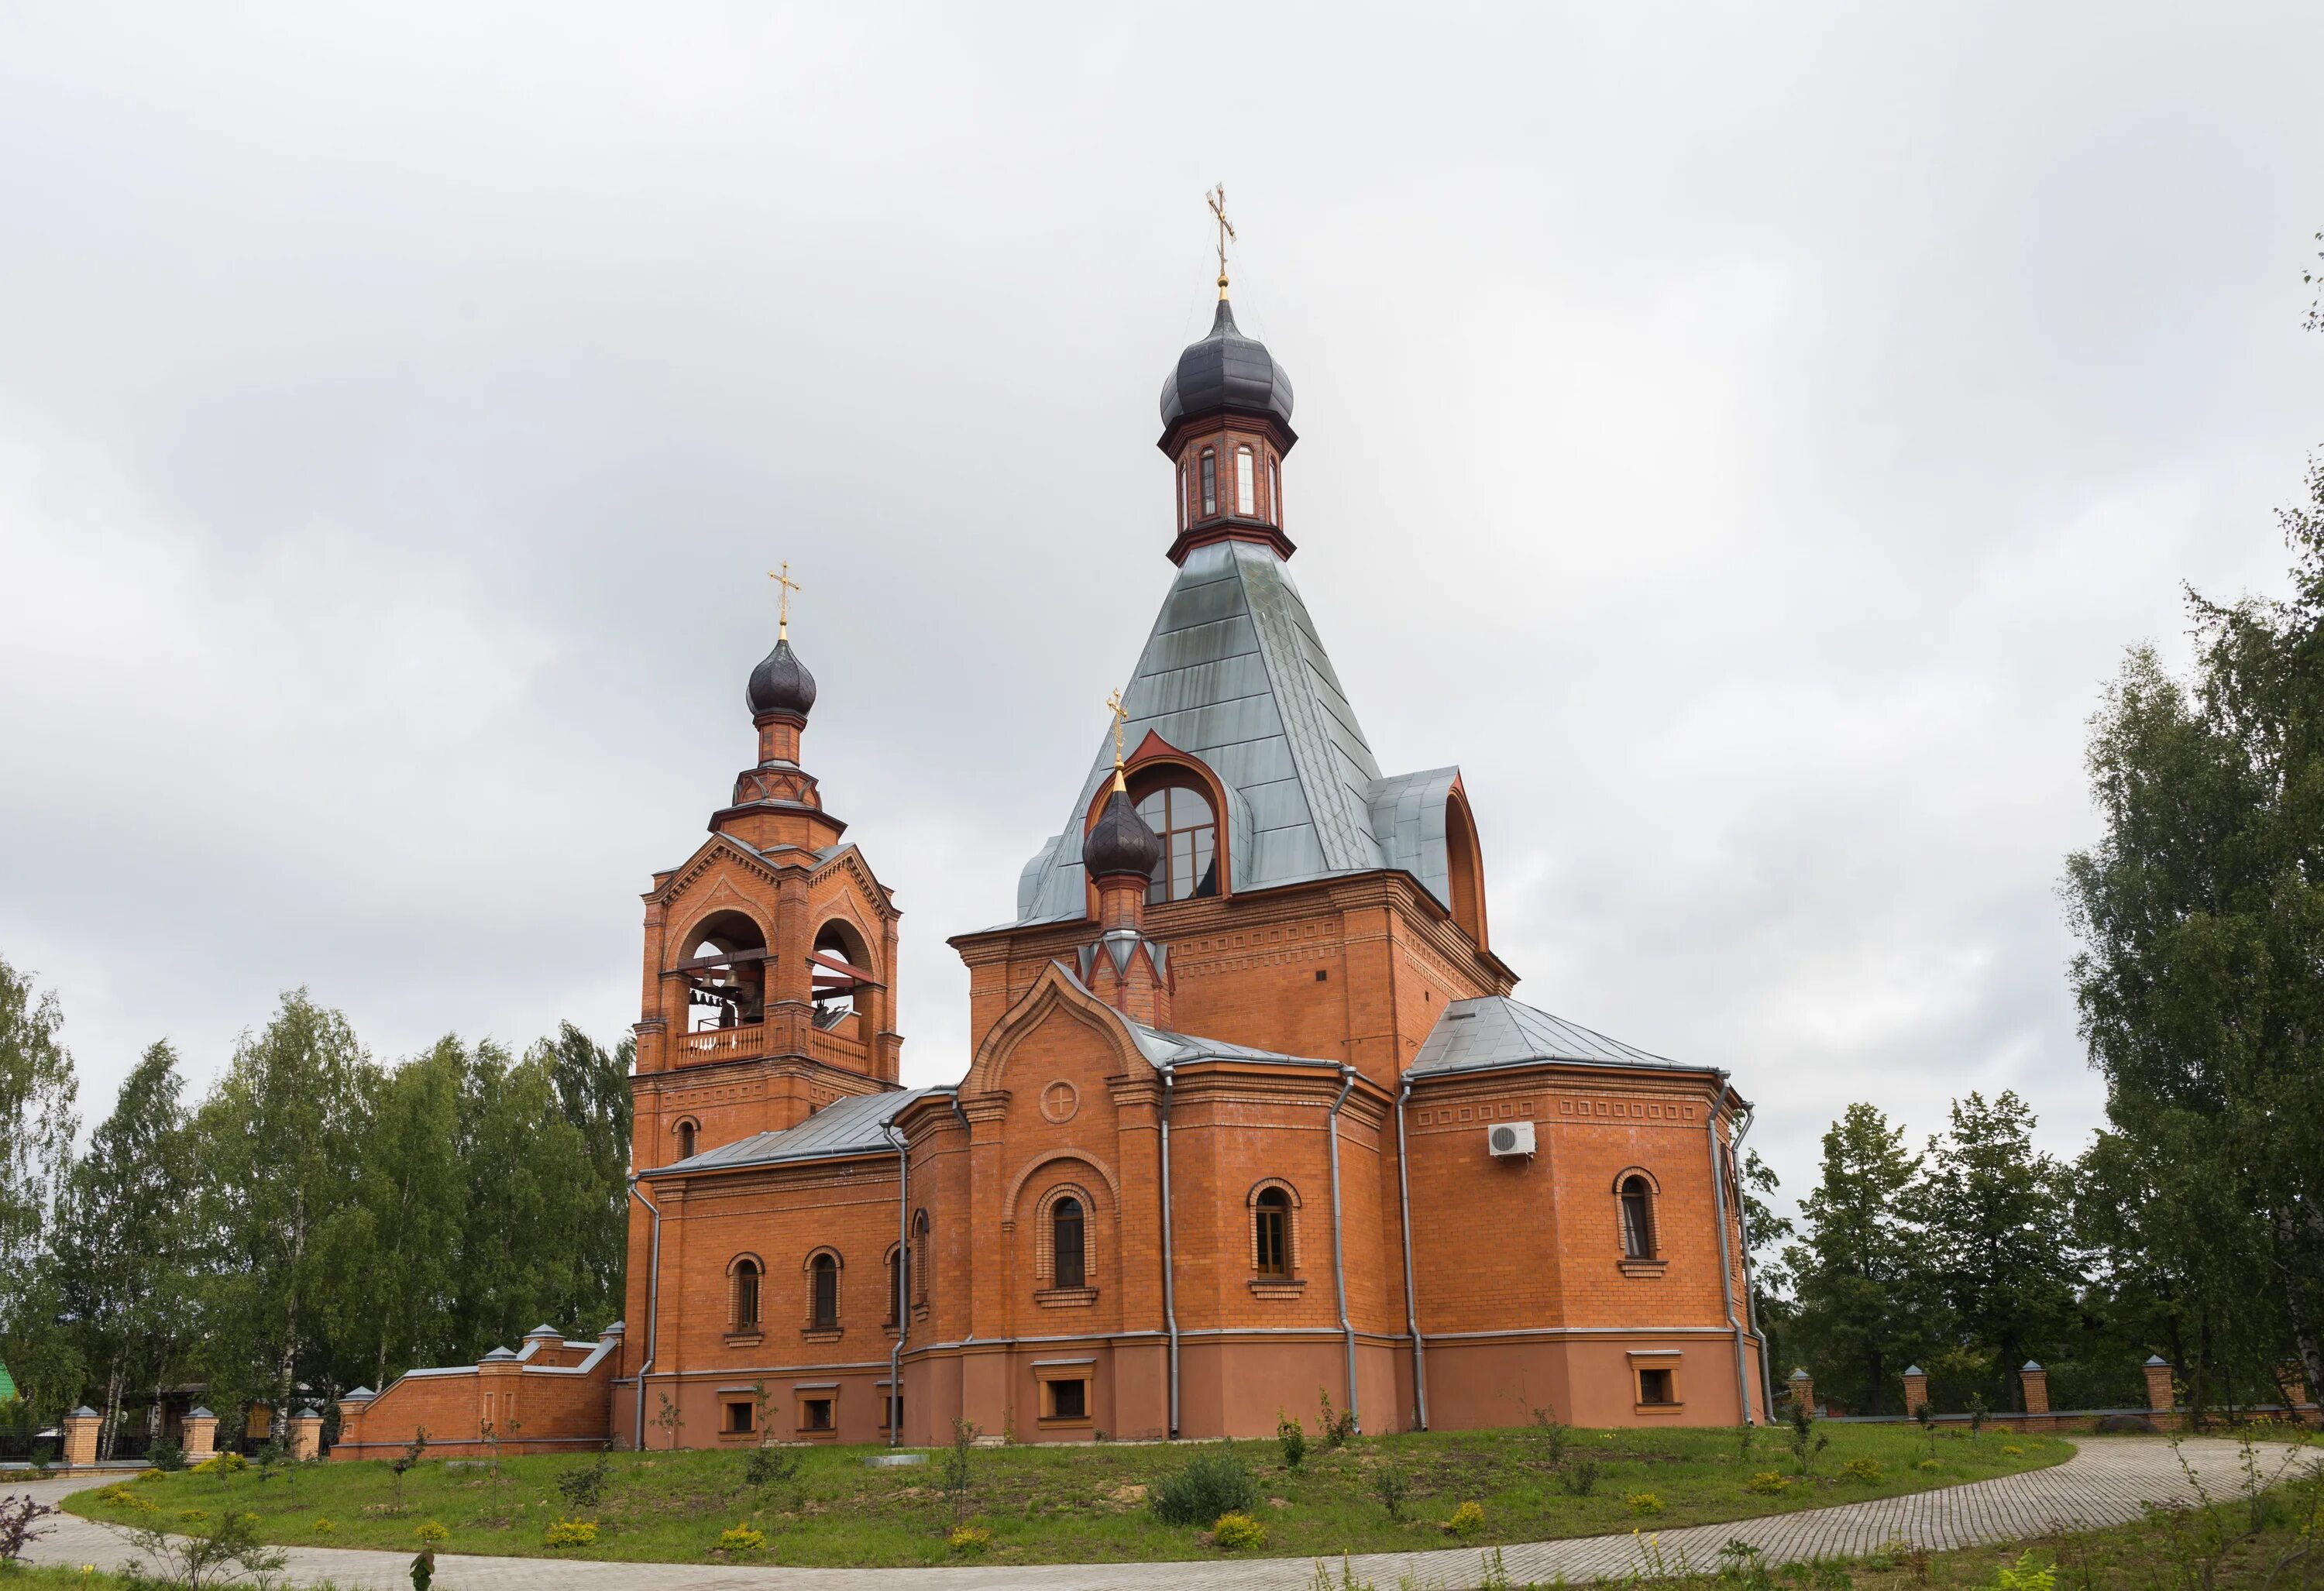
pixel 1274 491
pixel 725 972
pixel 1270 1232
pixel 920 1258
pixel 840 954
pixel 822 1293
pixel 1468 890
pixel 685 1140
pixel 1182 494
pixel 746 1295
pixel 1209 483
pixel 1638 1218
pixel 895 1286
pixel 1070 1253
pixel 1246 482
pixel 1189 865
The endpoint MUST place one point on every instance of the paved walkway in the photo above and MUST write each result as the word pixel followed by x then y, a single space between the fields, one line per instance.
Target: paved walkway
pixel 2105 1483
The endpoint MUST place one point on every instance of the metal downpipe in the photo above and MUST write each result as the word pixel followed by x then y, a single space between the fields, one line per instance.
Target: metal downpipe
pixel 1339 1246
pixel 1411 1303
pixel 1170 1283
pixel 903 1282
pixel 653 1304
pixel 1726 1272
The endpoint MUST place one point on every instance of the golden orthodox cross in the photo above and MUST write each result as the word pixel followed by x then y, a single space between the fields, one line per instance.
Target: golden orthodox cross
pixel 1120 718
pixel 783 608
pixel 1217 198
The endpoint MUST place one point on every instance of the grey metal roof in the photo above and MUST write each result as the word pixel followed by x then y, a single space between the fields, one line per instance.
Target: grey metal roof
pixel 1494 1030
pixel 1235 673
pixel 853 1126
pixel 1177 1049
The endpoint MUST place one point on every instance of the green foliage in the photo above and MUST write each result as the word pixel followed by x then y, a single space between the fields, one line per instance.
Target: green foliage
pixel 1577 1478
pixel 167 1455
pixel 742 1539
pixel 1866 1468
pixel 1212 1484
pixel 2027 1574
pixel 584 1485
pixel 1235 1531
pixel 1465 1520
pixel 1333 1430
pixel 1865 1293
pixel 1391 1486
pixel 199 1553
pixel 1292 1438
pixel 37 1128
pixel 571 1533
pixel 1645 1502
pixel 1556 1437
pixel 1807 1443
pixel 768 1468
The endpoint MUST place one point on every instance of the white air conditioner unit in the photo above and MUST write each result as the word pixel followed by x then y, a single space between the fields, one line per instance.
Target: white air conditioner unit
pixel 1509 1138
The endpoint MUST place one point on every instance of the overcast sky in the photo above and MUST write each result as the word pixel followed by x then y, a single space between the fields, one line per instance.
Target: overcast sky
pixel 1743 439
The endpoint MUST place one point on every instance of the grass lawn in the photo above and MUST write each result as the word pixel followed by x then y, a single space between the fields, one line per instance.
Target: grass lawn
pixel 1053 1505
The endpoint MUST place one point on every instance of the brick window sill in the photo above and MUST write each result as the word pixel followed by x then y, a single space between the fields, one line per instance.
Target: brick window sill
pixel 1287 1287
pixel 817 1436
pixel 733 1439
pixel 1658 1408
pixel 1637 1267
pixel 750 1338
pixel 823 1334
pixel 1065 1298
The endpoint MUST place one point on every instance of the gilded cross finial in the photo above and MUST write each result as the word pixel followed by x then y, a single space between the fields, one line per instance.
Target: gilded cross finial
pixel 1217 198
pixel 1120 717
pixel 782 578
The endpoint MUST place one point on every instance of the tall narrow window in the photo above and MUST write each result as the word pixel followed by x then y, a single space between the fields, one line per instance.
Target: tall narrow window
pixel 1182 494
pixel 685 1140
pixel 824 1291
pixel 1188 868
pixel 1246 483
pixel 920 1258
pixel 1066 1231
pixel 1270 1232
pixel 1274 492
pixel 1638 1221
pixel 895 1286
pixel 746 1295
pixel 1209 483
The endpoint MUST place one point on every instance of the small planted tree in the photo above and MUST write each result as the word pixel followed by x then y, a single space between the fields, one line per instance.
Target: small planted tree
pixel 1807 1442
pixel 954 1479
pixel 404 1462
pixel 195 1555
pixel 670 1418
pixel 1333 1430
pixel 1294 1437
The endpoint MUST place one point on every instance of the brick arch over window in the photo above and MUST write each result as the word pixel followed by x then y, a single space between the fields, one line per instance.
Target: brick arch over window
pixel 1063 1157
pixel 1638 1214
pixel 822 1306
pixel 1045 1233
pixel 1290 1222
pixel 1464 867
pixel 746 1280
pixel 920 1258
pixel 1156 764
pixel 684 1135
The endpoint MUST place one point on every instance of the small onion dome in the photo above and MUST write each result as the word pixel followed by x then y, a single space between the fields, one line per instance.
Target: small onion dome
pixel 1119 844
pixel 781 684
pixel 1224 372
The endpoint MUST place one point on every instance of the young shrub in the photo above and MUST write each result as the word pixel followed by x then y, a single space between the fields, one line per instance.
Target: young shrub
pixel 1554 1436
pixel 742 1537
pixel 223 1551
pixel 969 1537
pixel 1333 1429
pixel 1212 1485
pixel 20 1526
pixel 2012 1449
pixel 1390 1484
pixel 1644 1503
pixel 167 1455
pixel 222 1464
pixel 151 1474
pixel 1767 1482
pixel 1466 1522
pixel 1928 1464
pixel 1294 1439
pixel 581 1487
pixel 1579 1478
pixel 954 1478
pixel 1235 1531
pixel 571 1533
pixel 1806 1442
pixel 323 1527
pixel 2024 1575
pixel 1861 1469
pixel 429 1531
pixel 193 1516
pixel 765 1468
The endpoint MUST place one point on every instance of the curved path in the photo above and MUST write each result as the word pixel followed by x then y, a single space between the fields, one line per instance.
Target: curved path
pixel 2105 1483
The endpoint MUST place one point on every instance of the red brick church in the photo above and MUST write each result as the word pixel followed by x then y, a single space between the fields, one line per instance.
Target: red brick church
pixel 1252 1114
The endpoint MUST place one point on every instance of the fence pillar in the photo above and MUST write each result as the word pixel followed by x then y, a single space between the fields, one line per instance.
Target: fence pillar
pixel 351 1414
pixel 80 1436
pixel 200 1429
pixel 2161 1399
pixel 1803 1389
pixel 1916 1388
pixel 305 1434
pixel 2036 1382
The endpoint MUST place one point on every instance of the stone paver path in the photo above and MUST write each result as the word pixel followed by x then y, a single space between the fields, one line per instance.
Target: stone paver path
pixel 2104 1483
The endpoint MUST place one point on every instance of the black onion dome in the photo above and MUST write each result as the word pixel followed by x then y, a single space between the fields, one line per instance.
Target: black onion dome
pixel 1119 844
pixel 781 684
pixel 1224 372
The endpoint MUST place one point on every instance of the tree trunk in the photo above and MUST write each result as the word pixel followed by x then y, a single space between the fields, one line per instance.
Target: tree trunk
pixel 2302 1314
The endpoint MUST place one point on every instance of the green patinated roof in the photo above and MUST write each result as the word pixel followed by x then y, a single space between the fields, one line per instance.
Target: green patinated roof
pixel 7 1386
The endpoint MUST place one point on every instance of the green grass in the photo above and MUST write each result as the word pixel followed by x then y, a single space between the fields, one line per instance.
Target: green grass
pixel 1050 1505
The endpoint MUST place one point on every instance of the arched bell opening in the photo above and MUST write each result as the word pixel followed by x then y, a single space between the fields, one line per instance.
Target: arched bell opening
pixel 843 978
pixel 725 972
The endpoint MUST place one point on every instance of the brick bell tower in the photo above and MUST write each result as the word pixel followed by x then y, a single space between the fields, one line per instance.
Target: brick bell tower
pixel 770 953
